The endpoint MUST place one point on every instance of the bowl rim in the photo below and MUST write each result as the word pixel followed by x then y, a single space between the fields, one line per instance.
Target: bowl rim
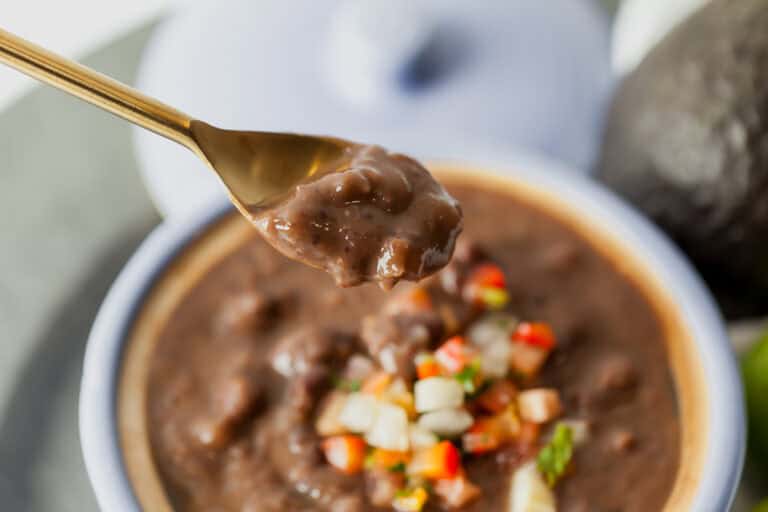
pixel 99 436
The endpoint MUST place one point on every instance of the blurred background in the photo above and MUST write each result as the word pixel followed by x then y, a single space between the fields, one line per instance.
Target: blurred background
pixel 679 127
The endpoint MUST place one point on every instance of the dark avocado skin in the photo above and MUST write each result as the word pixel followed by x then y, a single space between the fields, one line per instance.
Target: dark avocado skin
pixel 687 142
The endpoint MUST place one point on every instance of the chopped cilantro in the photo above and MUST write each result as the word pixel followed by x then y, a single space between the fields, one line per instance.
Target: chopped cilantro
pixel 398 468
pixel 467 377
pixel 349 385
pixel 554 457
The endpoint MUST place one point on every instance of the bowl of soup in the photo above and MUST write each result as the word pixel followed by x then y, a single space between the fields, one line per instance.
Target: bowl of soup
pixel 567 358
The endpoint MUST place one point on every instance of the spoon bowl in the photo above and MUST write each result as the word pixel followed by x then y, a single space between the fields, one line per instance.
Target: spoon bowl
pixel 258 168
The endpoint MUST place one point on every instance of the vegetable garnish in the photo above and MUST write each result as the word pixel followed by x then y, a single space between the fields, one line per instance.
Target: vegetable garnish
pixel 346 453
pixel 410 500
pixel 350 385
pixel 537 334
pixel 486 286
pixel 426 365
pixel 469 397
pixel 454 354
pixel 387 459
pixel 488 275
pixel 376 383
pixel 457 491
pixel 440 461
pixel 555 456
pixel 468 377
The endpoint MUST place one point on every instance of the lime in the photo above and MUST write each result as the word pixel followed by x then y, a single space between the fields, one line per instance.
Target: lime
pixel 754 368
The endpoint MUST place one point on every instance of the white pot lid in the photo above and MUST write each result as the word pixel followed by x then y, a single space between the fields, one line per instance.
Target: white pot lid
pixel 419 76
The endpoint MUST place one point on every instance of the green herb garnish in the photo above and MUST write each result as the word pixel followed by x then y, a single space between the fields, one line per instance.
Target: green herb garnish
pixel 468 377
pixel 348 385
pixel 553 459
pixel 397 468
pixel 402 493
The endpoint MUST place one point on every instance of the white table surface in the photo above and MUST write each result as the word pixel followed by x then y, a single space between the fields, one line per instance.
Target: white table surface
pixel 69 27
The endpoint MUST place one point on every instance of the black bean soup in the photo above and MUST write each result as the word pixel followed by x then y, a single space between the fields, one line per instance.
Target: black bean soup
pixel 527 373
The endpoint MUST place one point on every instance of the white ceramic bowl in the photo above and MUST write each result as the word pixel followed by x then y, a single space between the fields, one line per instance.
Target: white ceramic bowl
pixel 715 421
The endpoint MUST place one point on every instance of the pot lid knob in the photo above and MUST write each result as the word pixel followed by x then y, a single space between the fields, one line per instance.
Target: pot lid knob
pixel 377 48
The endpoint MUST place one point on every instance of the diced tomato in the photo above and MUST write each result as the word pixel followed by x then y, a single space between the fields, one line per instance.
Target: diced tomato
pixel 426 366
pixel 410 500
pixel 387 459
pixel 526 359
pixel 537 334
pixel 377 383
pixel 454 354
pixel 439 461
pixel 346 453
pixel 498 397
pixel 488 274
pixel 455 492
pixel 482 437
pixel 486 286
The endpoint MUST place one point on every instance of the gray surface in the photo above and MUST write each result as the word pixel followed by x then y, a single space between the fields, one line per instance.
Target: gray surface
pixel 57 259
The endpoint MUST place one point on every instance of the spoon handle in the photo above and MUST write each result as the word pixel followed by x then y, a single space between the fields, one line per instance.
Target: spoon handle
pixel 96 88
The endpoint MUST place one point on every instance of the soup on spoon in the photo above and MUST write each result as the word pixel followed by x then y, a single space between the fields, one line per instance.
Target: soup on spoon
pixel 368 215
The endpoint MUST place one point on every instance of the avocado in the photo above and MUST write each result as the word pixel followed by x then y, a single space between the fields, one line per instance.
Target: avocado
pixel 686 140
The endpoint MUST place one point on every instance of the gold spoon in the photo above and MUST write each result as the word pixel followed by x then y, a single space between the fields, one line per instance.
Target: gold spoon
pixel 256 167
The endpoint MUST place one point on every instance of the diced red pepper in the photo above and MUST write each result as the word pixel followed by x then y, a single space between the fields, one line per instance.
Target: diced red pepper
pixel 426 365
pixel 537 334
pixel 486 286
pixel 454 354
pixel 346 453
pixel 439 461
pixel 488 274
pixel 498 397
pixel 455 492
pixel 482 437
pixel 387 459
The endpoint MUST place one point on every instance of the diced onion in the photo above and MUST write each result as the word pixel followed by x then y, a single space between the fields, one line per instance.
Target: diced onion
pixel 491 328
pixel 437 393
pixel 390 429
pixel 447 422
pixel 359 412
pixel 580 430
pixel 328 422
pixel 539 405
pixel 529 492
pixel 420 437
pixel 495 358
